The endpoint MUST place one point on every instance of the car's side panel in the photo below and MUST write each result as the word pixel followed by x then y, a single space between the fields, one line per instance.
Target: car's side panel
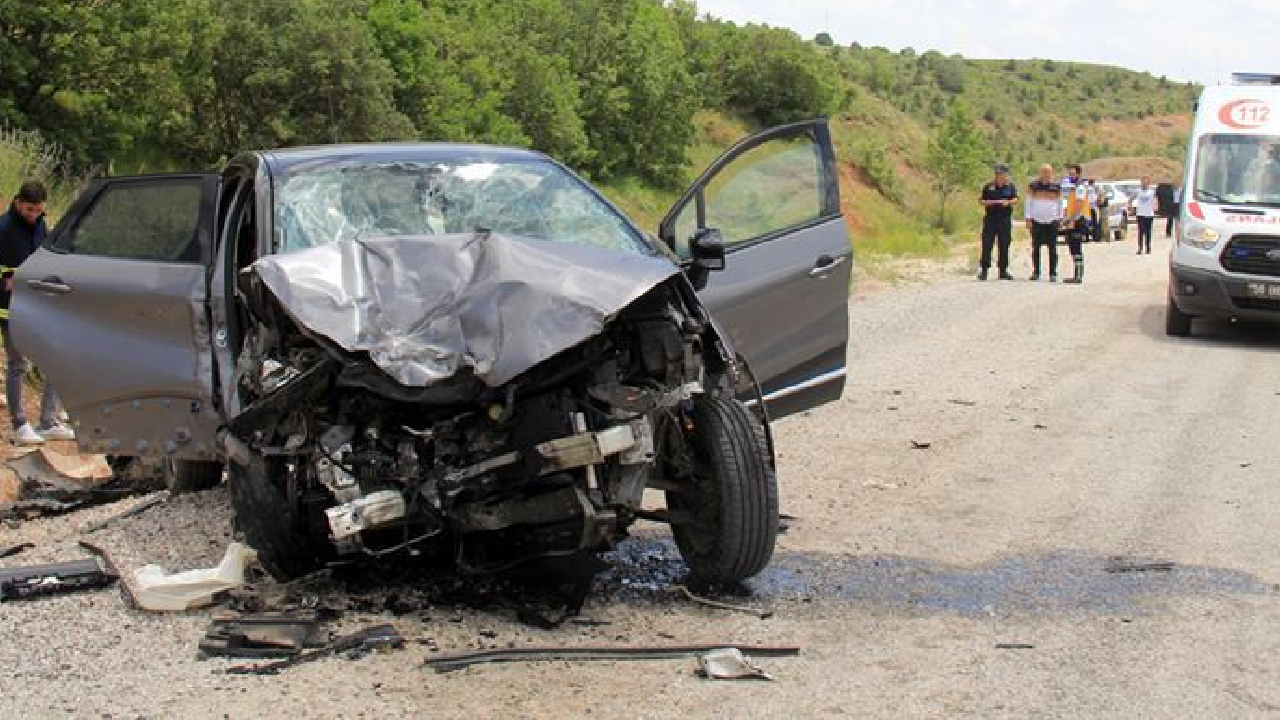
pixel 124 341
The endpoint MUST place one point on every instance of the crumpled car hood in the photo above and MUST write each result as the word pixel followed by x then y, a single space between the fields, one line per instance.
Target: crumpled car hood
pixel 425 307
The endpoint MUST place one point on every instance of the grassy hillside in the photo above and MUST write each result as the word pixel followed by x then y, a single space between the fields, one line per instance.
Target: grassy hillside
pixel 1118 123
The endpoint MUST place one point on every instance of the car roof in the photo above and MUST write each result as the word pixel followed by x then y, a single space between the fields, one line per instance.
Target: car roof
pixel 282 159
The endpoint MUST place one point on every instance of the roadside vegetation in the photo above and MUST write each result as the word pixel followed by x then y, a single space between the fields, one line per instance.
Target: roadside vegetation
pixel 637 94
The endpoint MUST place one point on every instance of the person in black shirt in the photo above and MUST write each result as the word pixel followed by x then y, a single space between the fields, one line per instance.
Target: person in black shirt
pixel 22 231
pixel 998 199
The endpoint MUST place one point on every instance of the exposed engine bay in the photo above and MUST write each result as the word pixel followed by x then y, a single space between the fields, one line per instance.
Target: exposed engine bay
pixel 552 461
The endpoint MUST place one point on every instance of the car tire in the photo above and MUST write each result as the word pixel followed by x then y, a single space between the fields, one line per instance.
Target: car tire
pixel 731 505
pixel 269 524
pixel 186 476
pixel 1176 322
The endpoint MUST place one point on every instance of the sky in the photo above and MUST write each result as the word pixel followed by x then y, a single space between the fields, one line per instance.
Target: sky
pixel 1199 40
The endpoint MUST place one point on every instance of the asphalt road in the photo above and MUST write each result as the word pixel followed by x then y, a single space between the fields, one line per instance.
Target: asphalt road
pixel 1066 437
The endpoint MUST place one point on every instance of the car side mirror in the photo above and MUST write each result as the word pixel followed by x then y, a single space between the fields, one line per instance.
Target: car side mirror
pixel 707 250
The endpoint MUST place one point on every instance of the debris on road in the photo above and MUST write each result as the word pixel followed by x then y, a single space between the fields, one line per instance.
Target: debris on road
pixel 915 445
pixel 1014 646
pixel 22 583
pixel 126 593
pixel 1124 565
pixel 49 483
pixel 762 614
pixel 15 549
pixel 729 664
pixel 354 646
pixel 1040 426
pixel 262 635
pixel 966 403
pixel 159 590
pixel 449 663
pixel 134 511
pixel 880 486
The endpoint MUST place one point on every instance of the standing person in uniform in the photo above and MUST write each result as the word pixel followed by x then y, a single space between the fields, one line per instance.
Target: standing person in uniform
pixel 998 199
pixel 1075 222
pixel 1174 208
pixel 1043 212
pixel 1145 208
pixel 22 230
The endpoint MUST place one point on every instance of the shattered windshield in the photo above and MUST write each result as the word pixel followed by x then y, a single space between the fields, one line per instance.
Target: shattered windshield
pixel 321 204
pixel 1239 169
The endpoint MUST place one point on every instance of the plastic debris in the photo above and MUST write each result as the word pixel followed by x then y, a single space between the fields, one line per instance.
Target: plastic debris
pixel 31 581
pixel 262 635
pixel 729 664
pixel 354 646
pixel 161 591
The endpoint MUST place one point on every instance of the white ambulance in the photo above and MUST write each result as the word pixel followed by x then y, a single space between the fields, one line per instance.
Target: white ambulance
pixel 1226 261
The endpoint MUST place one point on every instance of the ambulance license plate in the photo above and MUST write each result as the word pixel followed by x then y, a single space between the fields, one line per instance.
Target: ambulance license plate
pixel 1265 290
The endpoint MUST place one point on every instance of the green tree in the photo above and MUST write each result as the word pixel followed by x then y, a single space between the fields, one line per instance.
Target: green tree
pixel 823 39
pixel 281 74
pixel 955 156
pixel 96 76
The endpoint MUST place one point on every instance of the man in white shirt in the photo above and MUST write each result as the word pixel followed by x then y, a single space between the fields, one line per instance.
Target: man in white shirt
pixel 1043 214
pixel 1145 207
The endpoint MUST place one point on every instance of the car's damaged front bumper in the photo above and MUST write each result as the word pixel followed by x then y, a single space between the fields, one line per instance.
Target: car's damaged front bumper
pixel 513 396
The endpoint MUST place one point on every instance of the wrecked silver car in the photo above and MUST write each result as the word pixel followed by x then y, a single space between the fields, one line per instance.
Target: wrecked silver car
pixel 390 347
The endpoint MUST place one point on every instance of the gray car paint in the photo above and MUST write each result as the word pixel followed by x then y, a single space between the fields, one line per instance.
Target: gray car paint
pixel 783 297
pixel 127 346
pixel 132 349
pixel 493 304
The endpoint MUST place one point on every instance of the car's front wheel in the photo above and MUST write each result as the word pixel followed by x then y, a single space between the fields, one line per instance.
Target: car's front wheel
pixel 727 510
pixel 1176 322
pixel 270 523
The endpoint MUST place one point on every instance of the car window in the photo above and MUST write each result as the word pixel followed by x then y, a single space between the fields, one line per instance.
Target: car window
pixel 772 187
pixel 140 221
pixel 320 204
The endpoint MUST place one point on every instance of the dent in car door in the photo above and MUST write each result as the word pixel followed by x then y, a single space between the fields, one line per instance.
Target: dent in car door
pixel 783 294
pixel 112 312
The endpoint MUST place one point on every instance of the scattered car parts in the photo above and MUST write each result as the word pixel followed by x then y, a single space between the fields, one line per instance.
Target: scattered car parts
pixel 262 635
pixel 729 664
pixel 450 663
pixel 24 583
pixel 157 590
pixel 354 646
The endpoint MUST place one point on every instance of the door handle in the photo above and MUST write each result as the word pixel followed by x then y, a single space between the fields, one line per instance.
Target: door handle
pixel 825 265
pixel 51 285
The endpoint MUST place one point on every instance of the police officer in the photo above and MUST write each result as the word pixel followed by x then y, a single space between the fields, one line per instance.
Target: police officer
pixel 998 198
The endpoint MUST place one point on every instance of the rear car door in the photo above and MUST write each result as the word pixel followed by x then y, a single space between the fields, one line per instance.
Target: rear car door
pixel 112 312
pixel 783 294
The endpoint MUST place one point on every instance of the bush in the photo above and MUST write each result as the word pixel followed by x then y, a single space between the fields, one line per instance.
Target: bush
pixel 27 155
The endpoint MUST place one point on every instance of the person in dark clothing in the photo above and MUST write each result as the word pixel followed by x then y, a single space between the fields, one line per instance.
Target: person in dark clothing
pixel 22 230
pixel 1175 206
pixel 998 198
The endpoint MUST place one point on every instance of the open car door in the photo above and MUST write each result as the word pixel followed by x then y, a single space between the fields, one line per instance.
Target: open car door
pixel 782 295
pixel 112 312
